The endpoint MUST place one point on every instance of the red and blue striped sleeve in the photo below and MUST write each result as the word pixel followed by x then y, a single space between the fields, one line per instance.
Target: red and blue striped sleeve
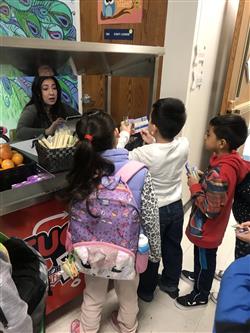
pixel 210 195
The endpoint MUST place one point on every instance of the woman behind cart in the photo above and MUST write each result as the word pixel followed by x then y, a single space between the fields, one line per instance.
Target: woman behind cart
pixel 45 112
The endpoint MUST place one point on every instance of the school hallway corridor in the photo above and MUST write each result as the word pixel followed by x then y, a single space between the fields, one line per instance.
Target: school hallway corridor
pixel 161 315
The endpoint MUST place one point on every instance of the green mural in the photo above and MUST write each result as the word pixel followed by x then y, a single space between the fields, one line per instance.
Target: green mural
pixel 40 19
pixel 37 18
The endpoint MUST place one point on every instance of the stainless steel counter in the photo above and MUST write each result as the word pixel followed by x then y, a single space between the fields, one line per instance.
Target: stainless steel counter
pixel 27 196
pixel 16 199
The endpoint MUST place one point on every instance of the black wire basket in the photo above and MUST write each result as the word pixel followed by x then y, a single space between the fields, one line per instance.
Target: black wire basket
pixel 55 160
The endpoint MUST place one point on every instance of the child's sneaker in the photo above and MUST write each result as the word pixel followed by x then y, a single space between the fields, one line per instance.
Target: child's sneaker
pixel 75 326
pixel 173 292
pixel 145 296
pixel 187 276
pixel 114 321
pixel 189 301
pixel 214 296
pixel 218 275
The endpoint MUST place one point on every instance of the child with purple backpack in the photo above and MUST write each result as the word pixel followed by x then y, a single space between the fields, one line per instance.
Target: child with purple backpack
pixel 97 165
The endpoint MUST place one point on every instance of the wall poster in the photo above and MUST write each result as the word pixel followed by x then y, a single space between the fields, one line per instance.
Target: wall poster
pixel 119 11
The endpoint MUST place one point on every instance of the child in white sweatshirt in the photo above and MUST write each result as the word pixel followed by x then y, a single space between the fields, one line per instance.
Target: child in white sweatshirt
pixel 165 156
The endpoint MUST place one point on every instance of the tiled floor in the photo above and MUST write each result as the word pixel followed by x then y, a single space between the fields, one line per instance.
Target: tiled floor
pixel 161 315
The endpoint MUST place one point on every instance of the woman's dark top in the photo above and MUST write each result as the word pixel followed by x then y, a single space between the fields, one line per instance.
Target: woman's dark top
pixel 31 123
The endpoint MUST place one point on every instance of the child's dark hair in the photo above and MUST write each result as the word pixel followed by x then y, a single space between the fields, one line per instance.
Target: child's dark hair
pixel 169 115
pixel 47 67
pixel 230 127
pixel 95 131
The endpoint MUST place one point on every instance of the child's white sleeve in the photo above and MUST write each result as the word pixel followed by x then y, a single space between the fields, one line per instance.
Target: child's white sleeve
pixel 123 139
pixel 142 154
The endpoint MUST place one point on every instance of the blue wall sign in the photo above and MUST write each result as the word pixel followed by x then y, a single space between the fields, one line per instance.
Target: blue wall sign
pixel 122 34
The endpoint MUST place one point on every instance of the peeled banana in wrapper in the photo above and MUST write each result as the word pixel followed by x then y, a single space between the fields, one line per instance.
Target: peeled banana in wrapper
pixel 61 139
pixel 69 267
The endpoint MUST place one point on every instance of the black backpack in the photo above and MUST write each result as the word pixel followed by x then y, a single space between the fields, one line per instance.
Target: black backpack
pixel 241 204
pixel 29 273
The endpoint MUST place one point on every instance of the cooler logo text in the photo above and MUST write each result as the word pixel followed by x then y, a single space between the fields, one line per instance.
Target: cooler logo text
pixel 50 242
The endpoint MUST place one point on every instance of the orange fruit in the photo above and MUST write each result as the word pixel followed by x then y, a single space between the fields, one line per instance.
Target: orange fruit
pixel 5 151
pixel 7 164
pixel 17 158
pixel 14 152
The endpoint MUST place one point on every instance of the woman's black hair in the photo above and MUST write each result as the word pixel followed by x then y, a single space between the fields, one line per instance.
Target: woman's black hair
pixel 95 131
pixel 230 127
pixel 56 110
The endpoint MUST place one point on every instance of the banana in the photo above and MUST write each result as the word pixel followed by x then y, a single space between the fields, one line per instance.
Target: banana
pixel 61 139
pixel 70 268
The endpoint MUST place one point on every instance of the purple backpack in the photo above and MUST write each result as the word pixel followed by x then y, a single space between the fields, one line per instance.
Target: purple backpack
pixel 103 230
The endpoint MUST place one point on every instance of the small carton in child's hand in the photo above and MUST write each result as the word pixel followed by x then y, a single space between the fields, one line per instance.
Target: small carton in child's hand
pixel 139 124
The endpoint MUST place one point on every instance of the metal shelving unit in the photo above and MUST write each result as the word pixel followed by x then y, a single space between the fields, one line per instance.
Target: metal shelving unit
pixel 84 58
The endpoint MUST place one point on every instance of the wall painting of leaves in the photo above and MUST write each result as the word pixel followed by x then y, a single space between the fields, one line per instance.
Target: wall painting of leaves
pixel 54 19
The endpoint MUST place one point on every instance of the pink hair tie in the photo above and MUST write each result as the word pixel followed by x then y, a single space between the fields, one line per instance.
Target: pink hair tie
pixel 88 137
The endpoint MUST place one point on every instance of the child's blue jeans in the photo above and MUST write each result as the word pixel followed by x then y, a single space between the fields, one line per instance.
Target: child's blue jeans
pixel 171 227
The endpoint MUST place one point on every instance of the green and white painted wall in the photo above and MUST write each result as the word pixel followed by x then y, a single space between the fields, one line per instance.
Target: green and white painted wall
pixel 54 19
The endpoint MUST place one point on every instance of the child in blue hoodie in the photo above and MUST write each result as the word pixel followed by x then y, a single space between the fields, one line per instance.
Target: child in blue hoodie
pixel 233 312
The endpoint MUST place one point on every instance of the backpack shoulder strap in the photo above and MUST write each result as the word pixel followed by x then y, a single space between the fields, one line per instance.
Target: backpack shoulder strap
pixel 127 171
pixel 3 319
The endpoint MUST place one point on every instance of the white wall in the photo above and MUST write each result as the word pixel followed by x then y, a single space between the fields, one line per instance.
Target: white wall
pixel 206 23
pixel 198 101
pixel 179 38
